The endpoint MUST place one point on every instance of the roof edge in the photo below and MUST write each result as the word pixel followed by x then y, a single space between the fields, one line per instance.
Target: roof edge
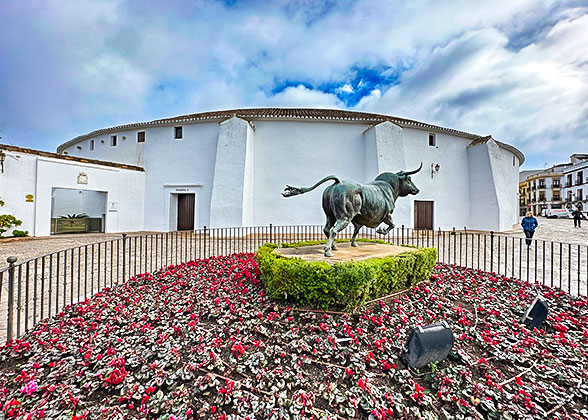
pixel 281 113
pixel 52 155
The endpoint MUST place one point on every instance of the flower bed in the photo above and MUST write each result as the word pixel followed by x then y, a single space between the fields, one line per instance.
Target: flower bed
pixel 201 340
pixel 346 285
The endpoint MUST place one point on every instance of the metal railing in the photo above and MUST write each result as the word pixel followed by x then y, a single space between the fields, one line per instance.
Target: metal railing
pixel 43 286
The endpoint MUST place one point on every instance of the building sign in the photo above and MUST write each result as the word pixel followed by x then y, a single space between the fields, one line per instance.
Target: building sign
pixel 29 198
pixel 112 206
pixel 182 189
pixel 82 178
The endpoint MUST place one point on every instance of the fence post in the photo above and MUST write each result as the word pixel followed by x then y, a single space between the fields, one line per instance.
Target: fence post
pixel 270 236
pixel 204 240
pixel 124 256
pixel 10 261
pixel 402 243
pixel 491 251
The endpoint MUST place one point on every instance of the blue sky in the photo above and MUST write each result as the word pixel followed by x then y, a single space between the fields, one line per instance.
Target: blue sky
pixel 515 69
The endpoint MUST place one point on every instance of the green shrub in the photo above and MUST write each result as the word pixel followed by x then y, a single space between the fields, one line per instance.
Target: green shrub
pixel 7 220
pixel 345 285
pixel 20 233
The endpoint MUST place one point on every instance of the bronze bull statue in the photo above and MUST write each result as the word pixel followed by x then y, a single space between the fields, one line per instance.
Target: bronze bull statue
pixel 369 205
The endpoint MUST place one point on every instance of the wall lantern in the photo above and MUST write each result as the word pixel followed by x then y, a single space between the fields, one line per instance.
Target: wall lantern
pixel 536 313
pixel 435 167
pixel 2 159
pixel 427 344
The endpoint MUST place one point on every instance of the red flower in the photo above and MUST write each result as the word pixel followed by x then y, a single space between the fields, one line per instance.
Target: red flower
pixel 560 327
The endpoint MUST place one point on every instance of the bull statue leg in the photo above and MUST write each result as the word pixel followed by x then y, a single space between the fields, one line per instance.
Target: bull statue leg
pixel 388 221
pixel 339 226
pixel 355 232
pixel 327 230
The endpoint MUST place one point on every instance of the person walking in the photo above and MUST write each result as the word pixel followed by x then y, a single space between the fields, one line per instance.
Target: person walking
pixel 529 224
pixel 577 218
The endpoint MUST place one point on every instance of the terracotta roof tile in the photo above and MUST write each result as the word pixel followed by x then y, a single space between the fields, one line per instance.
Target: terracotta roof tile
pixel 286 113
pixel 67 157
pixel 480 140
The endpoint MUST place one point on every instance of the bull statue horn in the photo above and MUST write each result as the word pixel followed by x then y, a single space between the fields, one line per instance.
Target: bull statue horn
pixel 403 173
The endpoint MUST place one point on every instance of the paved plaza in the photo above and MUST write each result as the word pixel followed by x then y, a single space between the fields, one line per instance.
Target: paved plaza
pixel 557 230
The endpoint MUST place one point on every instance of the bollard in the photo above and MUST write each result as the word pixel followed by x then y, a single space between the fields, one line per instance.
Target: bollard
pixel 204 239
pixel 11 261
pixel 124 256
pixel 491 251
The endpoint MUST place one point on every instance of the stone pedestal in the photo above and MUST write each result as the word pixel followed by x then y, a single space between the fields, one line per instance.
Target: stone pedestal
pixel 345 252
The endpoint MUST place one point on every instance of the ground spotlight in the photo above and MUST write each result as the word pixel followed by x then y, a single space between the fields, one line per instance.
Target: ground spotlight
pixel 427 344
pixel 536 313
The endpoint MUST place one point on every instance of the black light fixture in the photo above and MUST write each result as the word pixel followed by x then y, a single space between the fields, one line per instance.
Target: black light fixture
pixel 427 344
pixel 536 313
pixel 2 159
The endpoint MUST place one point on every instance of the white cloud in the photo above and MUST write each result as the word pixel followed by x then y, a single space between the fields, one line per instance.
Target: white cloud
pixel 301 96
pixel 515 69
pixel 346 88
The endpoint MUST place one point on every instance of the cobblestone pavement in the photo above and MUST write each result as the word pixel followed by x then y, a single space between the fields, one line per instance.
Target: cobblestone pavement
pixel 26 248
pixel 557 230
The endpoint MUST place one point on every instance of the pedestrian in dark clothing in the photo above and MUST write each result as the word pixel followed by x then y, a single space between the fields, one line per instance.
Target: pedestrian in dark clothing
pixel 577 218
pixel 529 225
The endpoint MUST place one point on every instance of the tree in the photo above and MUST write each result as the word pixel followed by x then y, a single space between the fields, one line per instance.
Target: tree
pixel 7 221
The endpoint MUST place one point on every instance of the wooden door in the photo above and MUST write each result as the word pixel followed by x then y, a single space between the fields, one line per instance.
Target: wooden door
pixel 423 214
pixel 186 211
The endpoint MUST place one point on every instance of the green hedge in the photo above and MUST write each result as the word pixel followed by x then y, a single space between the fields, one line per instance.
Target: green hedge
pixel 345 285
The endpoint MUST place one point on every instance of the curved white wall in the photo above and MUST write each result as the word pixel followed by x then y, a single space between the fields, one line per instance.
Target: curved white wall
pixel 238 170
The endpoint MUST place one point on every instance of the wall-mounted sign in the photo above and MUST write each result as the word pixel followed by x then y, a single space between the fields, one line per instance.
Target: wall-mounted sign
pixel 29 198
pixel 182 189
pixel 82 178
pixel 112 206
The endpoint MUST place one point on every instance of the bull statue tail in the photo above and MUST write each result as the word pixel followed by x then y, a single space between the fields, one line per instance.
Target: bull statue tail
pixel 290 191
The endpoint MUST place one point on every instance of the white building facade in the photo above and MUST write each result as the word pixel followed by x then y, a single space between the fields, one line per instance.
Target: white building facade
pixel 228 168
pixel 575 179
pixel 39 188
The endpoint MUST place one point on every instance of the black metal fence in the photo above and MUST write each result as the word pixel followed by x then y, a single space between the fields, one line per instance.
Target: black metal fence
pixel 41 287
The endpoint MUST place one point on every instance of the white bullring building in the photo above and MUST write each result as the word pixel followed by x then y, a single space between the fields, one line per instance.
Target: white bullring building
pixel 228 168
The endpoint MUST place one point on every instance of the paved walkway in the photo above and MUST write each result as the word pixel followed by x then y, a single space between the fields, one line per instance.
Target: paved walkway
pixel 557 230
pixel 26 248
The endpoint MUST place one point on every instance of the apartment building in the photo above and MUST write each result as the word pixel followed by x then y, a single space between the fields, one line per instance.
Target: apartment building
pixel 541 190
pixel 575 177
